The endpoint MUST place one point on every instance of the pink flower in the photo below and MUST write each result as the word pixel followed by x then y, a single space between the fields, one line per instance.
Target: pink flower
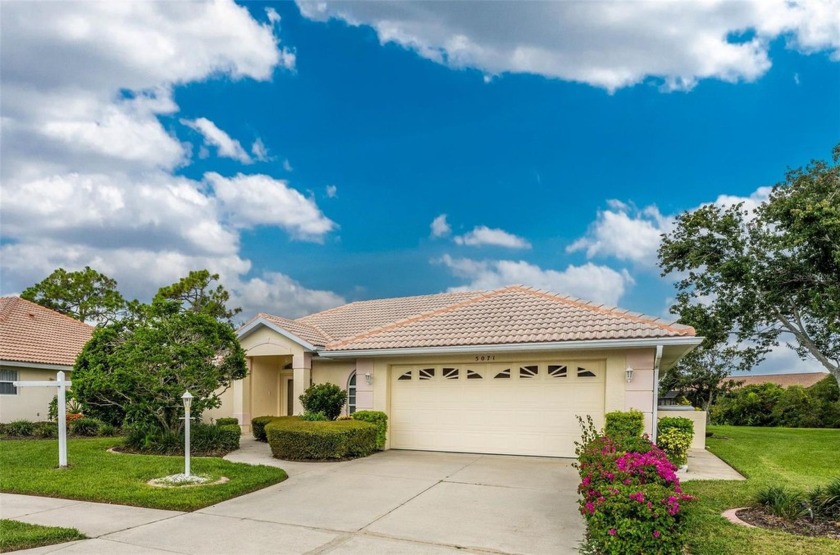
pixel 612 532
pixel 656 534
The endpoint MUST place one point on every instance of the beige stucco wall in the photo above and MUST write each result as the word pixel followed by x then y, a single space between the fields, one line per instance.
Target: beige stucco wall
pixel 698 417
pixel 30 403
pixel 224 411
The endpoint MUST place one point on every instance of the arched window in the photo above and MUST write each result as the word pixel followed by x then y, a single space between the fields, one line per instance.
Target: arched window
pixel 351 393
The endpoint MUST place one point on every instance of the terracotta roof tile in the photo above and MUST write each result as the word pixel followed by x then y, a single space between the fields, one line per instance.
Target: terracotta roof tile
pixel 514 314
pixel 32 333
pixel 805 379
pixel 308 333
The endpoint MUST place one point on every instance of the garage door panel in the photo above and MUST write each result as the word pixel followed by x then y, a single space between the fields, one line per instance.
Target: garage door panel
pixel 532 412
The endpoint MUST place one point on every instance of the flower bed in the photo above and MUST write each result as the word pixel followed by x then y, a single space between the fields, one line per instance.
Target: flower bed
pixel 630 497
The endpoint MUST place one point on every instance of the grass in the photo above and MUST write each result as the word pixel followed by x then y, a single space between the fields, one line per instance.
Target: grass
pixel 797 459
pixel 20 535
pixel 30 467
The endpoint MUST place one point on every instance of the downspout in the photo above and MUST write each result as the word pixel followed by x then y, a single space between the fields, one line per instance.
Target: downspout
pixel 657 359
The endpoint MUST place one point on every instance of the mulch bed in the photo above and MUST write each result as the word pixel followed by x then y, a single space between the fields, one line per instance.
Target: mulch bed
pixel 803 526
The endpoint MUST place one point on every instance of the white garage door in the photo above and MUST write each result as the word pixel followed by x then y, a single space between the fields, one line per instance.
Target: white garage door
pixel 526 408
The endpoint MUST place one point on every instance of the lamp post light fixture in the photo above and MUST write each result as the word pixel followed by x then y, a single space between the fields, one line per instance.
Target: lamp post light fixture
pixel 628 374
pixel 187 398
pixel 368 378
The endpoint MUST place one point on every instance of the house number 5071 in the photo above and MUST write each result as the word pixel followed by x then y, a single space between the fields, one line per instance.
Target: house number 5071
pixel 482 358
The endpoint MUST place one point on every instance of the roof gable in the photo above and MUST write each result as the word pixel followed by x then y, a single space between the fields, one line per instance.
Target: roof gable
pixel 35 334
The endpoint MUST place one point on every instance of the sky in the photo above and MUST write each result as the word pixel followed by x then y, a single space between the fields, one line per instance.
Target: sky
pixel 317 153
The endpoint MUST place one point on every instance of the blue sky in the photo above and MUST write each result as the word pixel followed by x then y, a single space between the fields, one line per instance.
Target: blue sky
pixel 557 146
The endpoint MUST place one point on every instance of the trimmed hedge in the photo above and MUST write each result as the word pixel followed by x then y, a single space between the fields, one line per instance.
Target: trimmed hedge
pixel 227 422
pixel 380 419
pixel 621 424
pixel 258 426
pixel 294 439
pixel 205 440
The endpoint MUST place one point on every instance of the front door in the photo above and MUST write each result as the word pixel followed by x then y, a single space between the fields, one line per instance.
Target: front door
pixel 290 397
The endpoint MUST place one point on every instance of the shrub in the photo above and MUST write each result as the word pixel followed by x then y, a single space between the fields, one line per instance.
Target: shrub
pixel 324 397
pixel 291 438
pixel 631 502
pixel 314 417
pixel 108 430
pixel 675 435
pixel 88 427
pixel 795 409
pixel 781 502
pixel 258 426
pixel 214 440
pixel 380 419
pixel 20 428
pixel 751 405
pixel 227 422
pixel 825 501
pixel 45 430
pixel 205 439
pixel 624 424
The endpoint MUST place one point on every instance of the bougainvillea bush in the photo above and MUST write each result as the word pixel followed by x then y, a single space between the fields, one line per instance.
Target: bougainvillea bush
pixel 630 497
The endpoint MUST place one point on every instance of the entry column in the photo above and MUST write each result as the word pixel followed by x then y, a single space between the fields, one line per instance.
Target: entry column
pixel 302 367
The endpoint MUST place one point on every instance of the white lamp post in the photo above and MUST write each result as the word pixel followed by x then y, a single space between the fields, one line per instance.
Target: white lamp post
pixel 187 397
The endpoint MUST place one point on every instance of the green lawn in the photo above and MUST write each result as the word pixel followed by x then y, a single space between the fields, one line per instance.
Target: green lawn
pixel 796 458
pixel 19 535
pixel 31 467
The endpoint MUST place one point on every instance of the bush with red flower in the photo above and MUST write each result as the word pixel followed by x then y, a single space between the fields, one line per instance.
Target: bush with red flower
pixel 630 497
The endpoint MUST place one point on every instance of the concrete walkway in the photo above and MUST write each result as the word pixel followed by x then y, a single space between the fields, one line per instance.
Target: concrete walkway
pixel 391 502
pixel 705 465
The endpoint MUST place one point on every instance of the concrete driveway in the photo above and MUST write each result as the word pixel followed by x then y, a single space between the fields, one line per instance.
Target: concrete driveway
pixel 391 502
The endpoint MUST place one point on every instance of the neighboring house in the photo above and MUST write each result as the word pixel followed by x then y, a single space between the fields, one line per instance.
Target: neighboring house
pixel 805 379
pixel 504 371
pixel 35 343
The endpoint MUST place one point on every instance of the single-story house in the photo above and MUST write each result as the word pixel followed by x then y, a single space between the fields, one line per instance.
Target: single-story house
pixel 504 371
pixel 35 343
pixel 804 379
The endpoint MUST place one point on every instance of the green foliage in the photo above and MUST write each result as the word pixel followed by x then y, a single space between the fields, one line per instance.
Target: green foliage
pixel 227 422
pixel 380 419
pixel 782 502
pixel 314 417
pixel 826 398
pixel 205 440
pixel 291 438
pixel 85 295
pixel 750 405
pixel 824 501
pixel 700 375
pixel 324 397
pixel 86 427
pixel 753 276
pixel 196 293
pixel 135 371
pixel 20 428
pixel 620 424
pixel 795 409
pixel 45 430
pixel 258 426
pixel 676 443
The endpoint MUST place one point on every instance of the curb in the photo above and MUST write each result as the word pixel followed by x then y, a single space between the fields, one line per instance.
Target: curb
pixel 733 518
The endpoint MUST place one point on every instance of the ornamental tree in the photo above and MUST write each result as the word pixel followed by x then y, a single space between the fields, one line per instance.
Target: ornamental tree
pixel 757 278
pixel 197 293
pixel 137 369
pixel 86 295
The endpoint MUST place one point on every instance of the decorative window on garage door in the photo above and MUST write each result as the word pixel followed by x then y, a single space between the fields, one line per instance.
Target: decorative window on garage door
pixel 528 372
pixel 473 375
pixel 583 372
pixel 451 373
pixel 558 370
pixel 426 373
pixel 405 375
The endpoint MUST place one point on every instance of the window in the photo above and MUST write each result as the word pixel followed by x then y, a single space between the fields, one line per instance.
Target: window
pixel 351 393
pixel 528 372
pixel 558 371
pixel 473 375
pixel 406 376
pixel 6 379
pixel 450 373
pixel 504 374
pixel 426 373
pixel 584 373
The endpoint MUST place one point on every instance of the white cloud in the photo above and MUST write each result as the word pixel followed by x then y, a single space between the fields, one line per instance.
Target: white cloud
pixel 281 295
pixel 225 145
pixel 784 360
pixel 627 233
pixel 332 191
pixel 440 227
pixel 287 165
pixel 252 200
pixel 591 282
pixel 259 150
pixel 605 44
pixel 483 235
pixel 88 168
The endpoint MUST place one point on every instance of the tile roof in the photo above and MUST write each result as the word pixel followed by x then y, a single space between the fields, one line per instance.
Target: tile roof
pixel 32 333
pixel 805 379
pixel 514 314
